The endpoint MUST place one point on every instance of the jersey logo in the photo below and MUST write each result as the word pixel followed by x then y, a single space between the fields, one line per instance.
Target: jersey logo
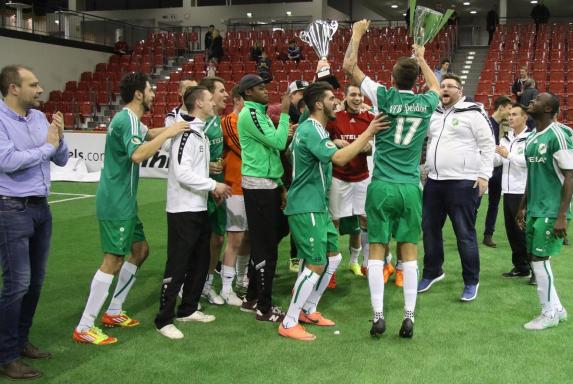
pixel 455 122
pixel 395 109
pixel 542 149
pixel 520 151
pixel 136 140
pixel 330 144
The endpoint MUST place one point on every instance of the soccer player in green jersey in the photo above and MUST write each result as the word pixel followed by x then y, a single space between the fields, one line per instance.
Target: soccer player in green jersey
pixel 394 197
pixel 546 202
pixel 217 211
pixel 315 236
pixel 127 144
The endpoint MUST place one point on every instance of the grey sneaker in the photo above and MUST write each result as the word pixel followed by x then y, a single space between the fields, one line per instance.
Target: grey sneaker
pixel 212 296
pixel 198 316
pixel 542 322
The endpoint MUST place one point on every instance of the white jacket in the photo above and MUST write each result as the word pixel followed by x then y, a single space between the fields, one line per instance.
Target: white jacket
pixel 461 145
pixel 188 182
pixel 514 176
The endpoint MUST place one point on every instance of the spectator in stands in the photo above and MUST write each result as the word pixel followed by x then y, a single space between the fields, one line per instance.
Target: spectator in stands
pixel 256 51
pixel 264 64
pixel 492 20
pixel 28 144
pixel 443 69
pixel 502 107
pixel 530 92
pixel 460 155
pixel 509 155
pixel 540 14
pixel 120 47
pixel 216 48
pixel 519 84
pixel 453 20
pixel 209 37
pixel 173 116
pixel 293 51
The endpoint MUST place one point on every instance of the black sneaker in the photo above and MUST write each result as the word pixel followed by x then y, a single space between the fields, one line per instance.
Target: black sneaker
pixel 516 273
pixel 378 328
pixel 274 315
pixel 249 305
pixel 407 329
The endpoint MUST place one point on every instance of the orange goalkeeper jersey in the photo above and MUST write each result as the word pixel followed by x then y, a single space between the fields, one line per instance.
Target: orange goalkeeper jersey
pixel 232 153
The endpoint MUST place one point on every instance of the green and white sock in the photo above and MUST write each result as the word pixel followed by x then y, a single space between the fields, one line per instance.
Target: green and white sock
pixel 302 289
pixel 125 281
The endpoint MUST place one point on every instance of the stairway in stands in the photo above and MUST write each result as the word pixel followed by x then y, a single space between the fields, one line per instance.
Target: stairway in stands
pixel 469 62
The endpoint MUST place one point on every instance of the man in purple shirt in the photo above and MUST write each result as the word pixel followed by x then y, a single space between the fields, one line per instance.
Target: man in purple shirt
pixel 28 142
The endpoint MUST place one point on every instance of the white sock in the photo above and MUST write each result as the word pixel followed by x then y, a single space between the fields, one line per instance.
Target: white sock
pixel 376 284
pixel 554 297
pixel 318 291
pixel 410 269
pixel 365 247
pixel 302 289
pixel 227 276
pixel 98 293
pixel 124 283
pixel 354 253
pixel 208 284
pixel 544 286
pixel 242 267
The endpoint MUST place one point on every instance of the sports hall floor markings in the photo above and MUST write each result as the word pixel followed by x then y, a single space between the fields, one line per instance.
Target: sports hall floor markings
pixel 75 196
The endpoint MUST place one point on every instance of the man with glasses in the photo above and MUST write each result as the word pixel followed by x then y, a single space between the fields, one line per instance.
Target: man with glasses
pixel 459 159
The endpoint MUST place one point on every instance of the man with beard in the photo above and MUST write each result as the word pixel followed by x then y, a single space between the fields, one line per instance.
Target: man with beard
pixel 545 210
pixel 314 233
pixel 347 195
pixel 459 158
pixel 393 199
pixel 121 231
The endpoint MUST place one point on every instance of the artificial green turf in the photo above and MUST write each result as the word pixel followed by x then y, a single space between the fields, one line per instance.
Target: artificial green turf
pixel 454 342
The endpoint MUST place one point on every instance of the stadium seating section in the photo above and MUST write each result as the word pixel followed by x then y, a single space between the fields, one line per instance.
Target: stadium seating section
pixel 548 55
pixel 88 99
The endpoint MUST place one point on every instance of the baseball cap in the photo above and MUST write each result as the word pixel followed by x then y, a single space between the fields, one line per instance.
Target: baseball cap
pixel 249 81
pixel 297 85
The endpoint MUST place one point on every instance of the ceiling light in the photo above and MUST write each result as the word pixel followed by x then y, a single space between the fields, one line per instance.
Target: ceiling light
pixel 533 1
pixel 403 14
pixel 57 21
pixel 249 14
pixel 288 13
pixel 467 3
pixel 473 12
pixel 394 6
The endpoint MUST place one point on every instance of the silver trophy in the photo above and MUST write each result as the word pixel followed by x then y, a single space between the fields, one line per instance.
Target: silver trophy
pixel 318 35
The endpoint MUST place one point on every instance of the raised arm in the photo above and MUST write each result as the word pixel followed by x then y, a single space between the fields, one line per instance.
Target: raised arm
pixel 350 64
pixel 429 75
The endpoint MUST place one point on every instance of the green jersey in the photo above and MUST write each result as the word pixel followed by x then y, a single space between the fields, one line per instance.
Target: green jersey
pixel 547 153
pixel 214 133
pixel 117 189
pixel 312 150
pixel 398 149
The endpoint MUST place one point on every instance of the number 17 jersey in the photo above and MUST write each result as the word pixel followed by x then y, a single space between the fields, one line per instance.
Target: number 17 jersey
pixel 398 149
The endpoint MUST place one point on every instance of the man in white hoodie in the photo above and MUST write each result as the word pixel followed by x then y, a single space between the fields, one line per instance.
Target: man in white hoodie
pixel 459 159
pixel 188 226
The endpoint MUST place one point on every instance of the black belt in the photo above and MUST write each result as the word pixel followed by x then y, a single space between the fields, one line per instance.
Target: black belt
pixel 27 199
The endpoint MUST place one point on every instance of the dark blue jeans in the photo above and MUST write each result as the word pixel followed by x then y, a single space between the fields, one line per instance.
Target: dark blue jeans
pixel 25 231
pixel 458 200
pixel 494 195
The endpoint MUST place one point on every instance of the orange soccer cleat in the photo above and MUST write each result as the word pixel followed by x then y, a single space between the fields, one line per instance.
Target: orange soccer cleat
pixel 297 332
pixel 399 279
pixel 94 335
pixel 121 320
pixel 332 282
pixel 388 271
pixel 315 318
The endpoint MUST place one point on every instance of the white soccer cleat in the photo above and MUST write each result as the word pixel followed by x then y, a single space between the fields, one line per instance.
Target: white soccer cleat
pixel 171 332
pixel 561 314
pixel 542 322
pixel 198 316
pixel 212 296
pixel 232 299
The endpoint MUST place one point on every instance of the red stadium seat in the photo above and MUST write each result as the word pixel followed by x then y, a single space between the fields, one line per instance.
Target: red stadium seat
pixel 69 120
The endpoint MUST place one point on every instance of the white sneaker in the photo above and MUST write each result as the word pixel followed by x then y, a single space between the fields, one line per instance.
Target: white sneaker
pixel 171 332
pixel 542 322
pixel 212 296
pixel 562 314
pixel 232 299
pixel 198 316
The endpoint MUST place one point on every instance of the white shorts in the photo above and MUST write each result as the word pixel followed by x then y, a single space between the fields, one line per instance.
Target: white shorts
pixel 236 214
pixel 347 198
